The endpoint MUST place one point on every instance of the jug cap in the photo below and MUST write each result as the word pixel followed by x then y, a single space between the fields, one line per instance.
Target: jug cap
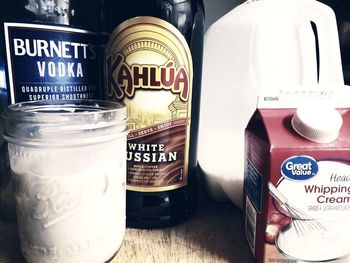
pixel 317 122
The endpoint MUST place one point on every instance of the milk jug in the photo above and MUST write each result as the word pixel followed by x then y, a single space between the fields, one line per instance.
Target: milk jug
pixel 259 43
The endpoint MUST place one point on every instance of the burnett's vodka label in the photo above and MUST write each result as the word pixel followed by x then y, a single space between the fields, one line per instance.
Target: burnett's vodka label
pixel 46 62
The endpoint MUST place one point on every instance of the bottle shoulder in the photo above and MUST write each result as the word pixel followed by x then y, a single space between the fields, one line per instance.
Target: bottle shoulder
pixel 82 14
pixel 180 13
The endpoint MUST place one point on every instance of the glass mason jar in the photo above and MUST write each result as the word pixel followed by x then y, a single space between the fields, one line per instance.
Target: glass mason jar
pixel 68 163
pixel 66 64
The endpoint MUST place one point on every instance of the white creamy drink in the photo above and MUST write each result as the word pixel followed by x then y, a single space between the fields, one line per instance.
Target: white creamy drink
pixel 70 197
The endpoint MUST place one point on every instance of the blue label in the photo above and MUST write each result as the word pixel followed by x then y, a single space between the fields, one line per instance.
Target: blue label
pixel 299 167
pixel 51 62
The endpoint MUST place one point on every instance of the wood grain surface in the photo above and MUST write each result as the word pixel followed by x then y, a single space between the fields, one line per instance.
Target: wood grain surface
pixel 214 234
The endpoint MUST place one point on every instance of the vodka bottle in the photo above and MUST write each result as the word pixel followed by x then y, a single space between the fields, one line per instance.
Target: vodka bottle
pixel 50 50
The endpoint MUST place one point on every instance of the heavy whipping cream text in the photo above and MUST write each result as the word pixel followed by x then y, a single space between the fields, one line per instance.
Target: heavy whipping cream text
pixel 332 187
pixel 329 185
pixel 329 194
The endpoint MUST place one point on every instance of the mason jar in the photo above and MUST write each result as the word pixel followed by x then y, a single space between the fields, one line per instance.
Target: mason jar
pixel 68 163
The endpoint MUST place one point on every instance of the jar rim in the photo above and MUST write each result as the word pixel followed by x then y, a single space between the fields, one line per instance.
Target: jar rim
pixel 64 123
pixel 46 110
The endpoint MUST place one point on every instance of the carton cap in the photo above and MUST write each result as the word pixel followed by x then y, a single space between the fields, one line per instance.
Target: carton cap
pixel 317 122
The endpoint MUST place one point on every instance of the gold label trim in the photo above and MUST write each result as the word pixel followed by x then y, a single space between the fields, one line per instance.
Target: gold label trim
pixel 149 56
pixel 148 189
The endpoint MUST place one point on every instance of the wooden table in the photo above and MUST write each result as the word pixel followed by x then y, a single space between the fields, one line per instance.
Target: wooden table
pixel 213 234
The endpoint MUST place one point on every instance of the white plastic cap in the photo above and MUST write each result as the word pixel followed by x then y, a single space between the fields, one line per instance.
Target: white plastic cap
pixel 318 123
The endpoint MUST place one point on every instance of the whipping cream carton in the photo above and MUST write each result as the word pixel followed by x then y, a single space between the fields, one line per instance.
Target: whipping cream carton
pixel 297 176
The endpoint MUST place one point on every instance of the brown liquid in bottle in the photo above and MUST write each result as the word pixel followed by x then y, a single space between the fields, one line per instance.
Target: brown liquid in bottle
pixel 154 59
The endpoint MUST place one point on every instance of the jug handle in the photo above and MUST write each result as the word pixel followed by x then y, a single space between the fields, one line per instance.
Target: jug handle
pixel 330 68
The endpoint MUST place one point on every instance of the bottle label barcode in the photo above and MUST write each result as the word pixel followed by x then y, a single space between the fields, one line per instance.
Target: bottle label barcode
pixel 250 224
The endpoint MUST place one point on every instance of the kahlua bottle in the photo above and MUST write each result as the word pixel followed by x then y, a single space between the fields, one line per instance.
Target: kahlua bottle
pixel 153 63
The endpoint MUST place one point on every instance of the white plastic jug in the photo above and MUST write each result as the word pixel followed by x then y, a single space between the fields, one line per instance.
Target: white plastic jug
pixel 258 43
